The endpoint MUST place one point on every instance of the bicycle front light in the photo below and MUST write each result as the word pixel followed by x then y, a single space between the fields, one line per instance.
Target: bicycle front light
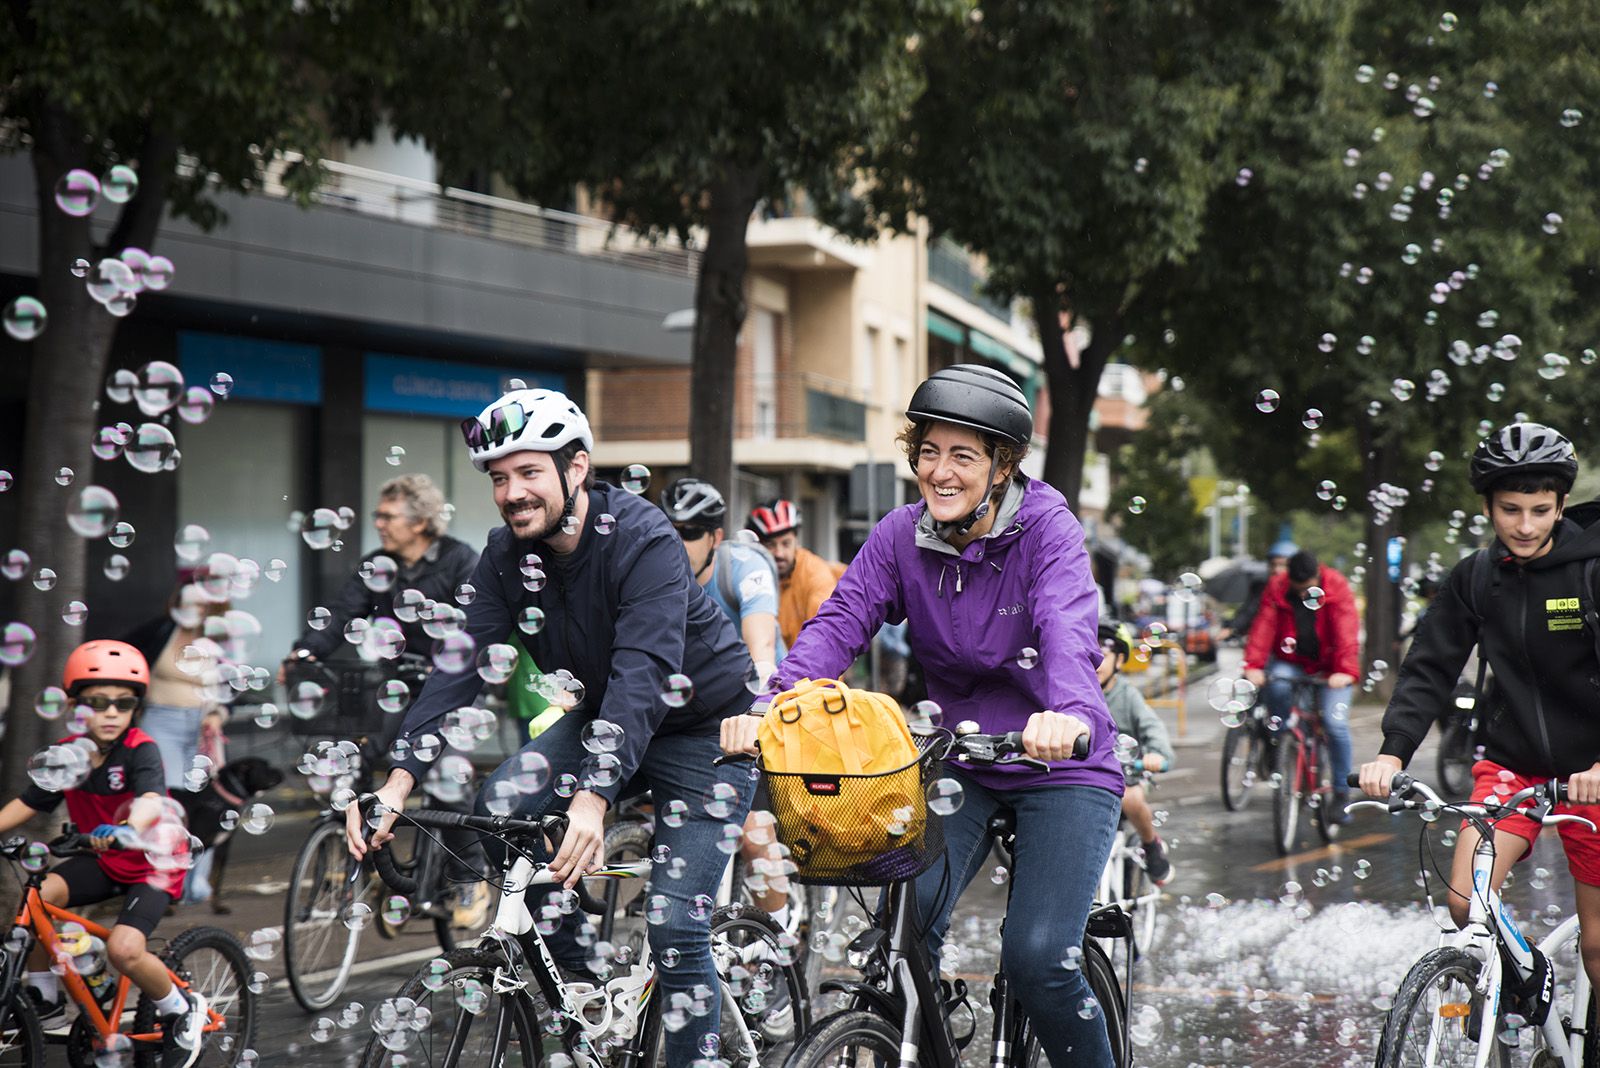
pixel 866 953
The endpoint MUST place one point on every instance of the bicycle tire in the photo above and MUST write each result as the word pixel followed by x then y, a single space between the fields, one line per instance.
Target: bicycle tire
pixel 852 1029
pixel 318 950
pixel 423 1048
pixel 1286 793
pixel 1397 1044
pixel 1455 760
pixel 1241 759
pixel 626 840
pixel 1327 830
pixel 1136 884
pixel 824 918
pixel 22 1041
pixel 775 1023
pixel 1591 1041
pixel 225 983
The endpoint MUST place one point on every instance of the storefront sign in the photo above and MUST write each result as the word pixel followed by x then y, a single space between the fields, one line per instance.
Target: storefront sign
pixel 439 387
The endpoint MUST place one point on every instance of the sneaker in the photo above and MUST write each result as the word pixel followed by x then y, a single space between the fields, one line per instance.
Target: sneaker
pixel 471 909
pixel 1156 864
pixel 1336 815
pixel 181 1033
pixel 53 1017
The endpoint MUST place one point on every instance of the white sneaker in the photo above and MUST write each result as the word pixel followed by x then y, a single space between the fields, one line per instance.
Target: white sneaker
pixel 182 1033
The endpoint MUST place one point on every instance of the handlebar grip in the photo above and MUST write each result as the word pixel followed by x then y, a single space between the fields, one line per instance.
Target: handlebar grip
pixel 732 758
pixel 1353 779
pixel 384 863
pixel 1080 747
pixel 588 902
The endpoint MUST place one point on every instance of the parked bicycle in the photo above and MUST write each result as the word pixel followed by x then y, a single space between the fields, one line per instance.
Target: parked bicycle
pixel 207 960
pixel 1458 741
pixel 1301 777
pixel 505 1002
pixel 898 1013
pixel 332 900
pixel 1454 1006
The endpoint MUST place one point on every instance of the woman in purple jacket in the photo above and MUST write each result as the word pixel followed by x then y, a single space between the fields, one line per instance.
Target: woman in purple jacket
pixel 991 571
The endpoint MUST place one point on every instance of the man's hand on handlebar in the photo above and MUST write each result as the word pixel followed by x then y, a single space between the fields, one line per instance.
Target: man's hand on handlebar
pixel 1583 788
pixel 392 795
pixel 739 734
pixel 1050 735
pixel 113 836
pixel 1376 776
pixel 583 846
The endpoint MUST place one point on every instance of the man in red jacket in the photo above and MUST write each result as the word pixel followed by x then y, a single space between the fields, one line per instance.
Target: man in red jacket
pixel 1308 625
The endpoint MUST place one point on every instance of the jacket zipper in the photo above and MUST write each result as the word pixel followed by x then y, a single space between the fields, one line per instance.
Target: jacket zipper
pixel 1522 641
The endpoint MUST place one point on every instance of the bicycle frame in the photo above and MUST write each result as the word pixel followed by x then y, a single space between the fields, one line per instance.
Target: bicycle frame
pixel 1124 851
pixel 1489 925
pixel 40 917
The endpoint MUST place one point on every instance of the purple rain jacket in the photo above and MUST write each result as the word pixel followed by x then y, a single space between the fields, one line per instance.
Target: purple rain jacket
pixel 1026 585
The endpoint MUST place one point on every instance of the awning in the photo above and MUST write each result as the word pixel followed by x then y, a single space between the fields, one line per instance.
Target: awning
pixel 1004 355
pixel 943 326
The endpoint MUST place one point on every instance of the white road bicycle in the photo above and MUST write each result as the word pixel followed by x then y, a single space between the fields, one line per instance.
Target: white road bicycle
pixel 1454 1007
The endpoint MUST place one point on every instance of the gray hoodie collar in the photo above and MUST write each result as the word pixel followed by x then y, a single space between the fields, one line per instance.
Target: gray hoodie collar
pixel 1010 505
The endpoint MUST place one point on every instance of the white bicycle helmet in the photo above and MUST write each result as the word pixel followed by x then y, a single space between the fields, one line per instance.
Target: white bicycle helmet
pixel 540 420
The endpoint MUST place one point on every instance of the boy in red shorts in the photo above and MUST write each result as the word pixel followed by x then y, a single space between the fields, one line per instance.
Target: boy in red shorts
pixel 120 793
pixel 1522 606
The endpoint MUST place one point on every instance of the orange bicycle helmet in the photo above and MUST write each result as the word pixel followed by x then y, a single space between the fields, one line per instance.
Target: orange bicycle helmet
pixel 105 661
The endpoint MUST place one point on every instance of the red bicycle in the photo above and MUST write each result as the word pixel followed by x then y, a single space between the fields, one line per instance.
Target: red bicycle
pixel 1301 777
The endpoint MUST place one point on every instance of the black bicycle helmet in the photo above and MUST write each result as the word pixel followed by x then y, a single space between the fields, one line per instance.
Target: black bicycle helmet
pixel 975 396
pixel 694 502
pixel 1523 449
pixel 1113 632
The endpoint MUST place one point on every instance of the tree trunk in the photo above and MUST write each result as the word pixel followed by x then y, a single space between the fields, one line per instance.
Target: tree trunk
pixel 1382 621
pixel 719 310
pixel 68 368
pixel 1072 391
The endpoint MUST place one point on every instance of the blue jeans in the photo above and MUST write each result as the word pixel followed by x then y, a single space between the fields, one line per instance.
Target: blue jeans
pixel 1064 836
pixel 1278 695
pixel 177 734
pixel 676 767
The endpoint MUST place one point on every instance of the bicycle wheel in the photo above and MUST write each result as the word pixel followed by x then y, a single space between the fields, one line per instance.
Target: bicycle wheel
pixel 1434 1020
pixel 623 922
pixel 1241 760
pixel 1591 1041
pixel 1143 896
pixel 213 963
pixel 319 949
pixel 444 1020
pixel 1455 760
pixel 849 1039
pixel 1286 793
pixel 822 933
pixel 764 996
pixel 21 1040
pixel 1322 799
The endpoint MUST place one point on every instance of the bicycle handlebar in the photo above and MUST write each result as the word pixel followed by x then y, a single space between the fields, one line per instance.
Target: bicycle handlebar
pixel 1408 794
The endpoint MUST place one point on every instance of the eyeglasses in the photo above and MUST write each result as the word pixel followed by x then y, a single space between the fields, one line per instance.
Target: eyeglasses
pixel 99 703
pixel 387 517
pixel 692 533
pixel 501 423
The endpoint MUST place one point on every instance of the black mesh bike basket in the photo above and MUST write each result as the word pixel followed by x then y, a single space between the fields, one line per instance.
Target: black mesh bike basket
pixel 858 830
pixel 349 709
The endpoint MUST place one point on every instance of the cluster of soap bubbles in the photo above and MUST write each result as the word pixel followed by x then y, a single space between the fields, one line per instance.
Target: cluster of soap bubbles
pixel 398 1021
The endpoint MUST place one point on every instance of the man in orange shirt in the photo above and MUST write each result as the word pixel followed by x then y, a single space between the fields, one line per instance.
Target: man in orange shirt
pixel 805 579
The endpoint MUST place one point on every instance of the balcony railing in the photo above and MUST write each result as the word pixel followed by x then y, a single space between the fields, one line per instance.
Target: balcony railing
pixel 950 266
pixel 653 405
pixel 411 200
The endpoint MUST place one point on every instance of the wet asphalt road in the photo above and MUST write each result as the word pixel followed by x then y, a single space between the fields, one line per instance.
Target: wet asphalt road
pixel 1260 960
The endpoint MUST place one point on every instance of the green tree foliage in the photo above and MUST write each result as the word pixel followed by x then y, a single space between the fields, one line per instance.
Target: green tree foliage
pixel 682 116
pixel 195 96
pixel 1392 263
pixel 1077 147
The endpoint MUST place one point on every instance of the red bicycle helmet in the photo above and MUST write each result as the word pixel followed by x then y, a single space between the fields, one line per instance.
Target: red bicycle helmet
pixel 771 518
pixel 105 661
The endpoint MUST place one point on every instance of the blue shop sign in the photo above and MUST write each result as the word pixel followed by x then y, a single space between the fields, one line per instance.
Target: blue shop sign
pixel 262 370
pixel 438 387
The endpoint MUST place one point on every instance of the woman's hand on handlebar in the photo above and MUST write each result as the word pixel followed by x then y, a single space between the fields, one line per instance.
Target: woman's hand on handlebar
pixel 1050 735
pixel 1376 776
pixel 739 734
pixel 392 795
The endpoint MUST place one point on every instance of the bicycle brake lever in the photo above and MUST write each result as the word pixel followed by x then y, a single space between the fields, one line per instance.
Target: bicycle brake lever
pixel 1385 806
pixel 1566 818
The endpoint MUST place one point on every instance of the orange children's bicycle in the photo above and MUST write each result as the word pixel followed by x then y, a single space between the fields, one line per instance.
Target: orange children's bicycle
pixel 206 959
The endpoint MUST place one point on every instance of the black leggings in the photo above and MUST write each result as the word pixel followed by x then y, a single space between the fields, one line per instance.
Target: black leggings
pixel 88 884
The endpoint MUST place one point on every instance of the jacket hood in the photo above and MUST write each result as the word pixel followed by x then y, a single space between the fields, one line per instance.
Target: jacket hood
pixel 1018 509
pixel 1577 537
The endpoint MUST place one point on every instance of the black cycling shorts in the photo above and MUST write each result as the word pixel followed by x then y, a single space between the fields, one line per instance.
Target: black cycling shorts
pixel 88 884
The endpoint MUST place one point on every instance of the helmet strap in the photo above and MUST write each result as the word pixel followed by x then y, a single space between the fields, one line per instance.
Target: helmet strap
pixel 571 502
pixel 974 517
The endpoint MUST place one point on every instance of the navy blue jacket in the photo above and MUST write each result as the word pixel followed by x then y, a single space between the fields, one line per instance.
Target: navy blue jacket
pixel 621 613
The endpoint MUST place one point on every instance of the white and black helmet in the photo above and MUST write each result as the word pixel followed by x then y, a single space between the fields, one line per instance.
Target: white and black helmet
pixel 541 420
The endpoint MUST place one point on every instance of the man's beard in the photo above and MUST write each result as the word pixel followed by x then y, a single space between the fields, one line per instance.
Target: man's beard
pixel 535 534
